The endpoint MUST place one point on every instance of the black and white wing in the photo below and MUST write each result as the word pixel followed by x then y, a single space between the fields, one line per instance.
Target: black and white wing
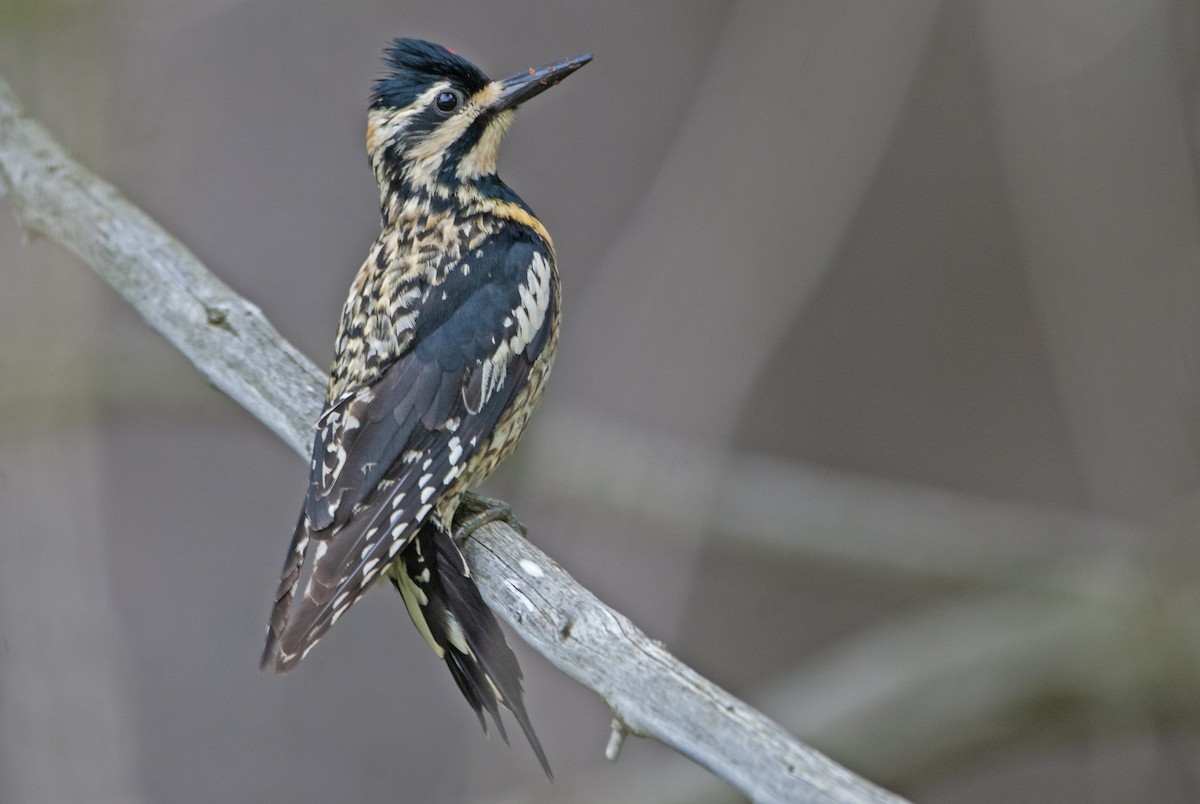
pixel 385 453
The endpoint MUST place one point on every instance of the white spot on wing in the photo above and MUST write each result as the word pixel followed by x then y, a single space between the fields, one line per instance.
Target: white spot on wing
pixel 336 469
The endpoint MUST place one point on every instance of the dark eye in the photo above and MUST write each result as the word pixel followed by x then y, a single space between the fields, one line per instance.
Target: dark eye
pixel 446 102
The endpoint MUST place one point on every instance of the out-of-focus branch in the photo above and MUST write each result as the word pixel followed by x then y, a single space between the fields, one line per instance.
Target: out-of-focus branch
pixel 1101 644
pixel 1070 89
pixel 1080 647
pixel 867 522
pixel 232 344
pixel 1072 646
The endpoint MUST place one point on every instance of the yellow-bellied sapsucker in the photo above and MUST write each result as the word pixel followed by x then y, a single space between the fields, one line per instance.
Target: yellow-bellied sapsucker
pixel 444 347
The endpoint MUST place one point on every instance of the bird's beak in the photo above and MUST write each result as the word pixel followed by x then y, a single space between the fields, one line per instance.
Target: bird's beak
pixel 523 86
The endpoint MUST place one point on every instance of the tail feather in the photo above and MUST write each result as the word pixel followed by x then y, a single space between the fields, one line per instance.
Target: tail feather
pixel 448 610
pixel 284 593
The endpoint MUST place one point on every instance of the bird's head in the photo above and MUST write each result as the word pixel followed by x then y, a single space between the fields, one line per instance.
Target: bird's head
pixel 436 121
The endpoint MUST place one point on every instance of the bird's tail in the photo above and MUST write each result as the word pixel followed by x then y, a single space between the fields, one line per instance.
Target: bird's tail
pixel 444 603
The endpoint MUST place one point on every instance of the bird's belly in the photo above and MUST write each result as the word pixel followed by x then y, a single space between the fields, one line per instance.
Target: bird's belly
pixel 507 432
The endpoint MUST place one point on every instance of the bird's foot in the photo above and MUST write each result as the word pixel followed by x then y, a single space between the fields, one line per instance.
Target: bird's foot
pixel 476 511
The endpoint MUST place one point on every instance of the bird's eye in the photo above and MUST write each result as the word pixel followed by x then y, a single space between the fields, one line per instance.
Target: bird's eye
pixel 446 102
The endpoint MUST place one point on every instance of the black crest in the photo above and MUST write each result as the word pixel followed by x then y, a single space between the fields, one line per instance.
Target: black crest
pixel 414 65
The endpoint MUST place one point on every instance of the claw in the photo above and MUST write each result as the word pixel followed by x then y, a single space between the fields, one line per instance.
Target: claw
pixel 475 511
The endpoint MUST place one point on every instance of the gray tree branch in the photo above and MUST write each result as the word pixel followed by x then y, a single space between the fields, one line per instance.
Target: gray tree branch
pixel 236 348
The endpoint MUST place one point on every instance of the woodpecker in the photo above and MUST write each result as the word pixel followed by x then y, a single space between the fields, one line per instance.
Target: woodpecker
pixel 443 350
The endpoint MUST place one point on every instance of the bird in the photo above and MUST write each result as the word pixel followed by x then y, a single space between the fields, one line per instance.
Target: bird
pixel 444 345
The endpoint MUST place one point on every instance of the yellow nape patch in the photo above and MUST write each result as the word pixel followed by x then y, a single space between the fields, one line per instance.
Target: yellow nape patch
pixel 509 210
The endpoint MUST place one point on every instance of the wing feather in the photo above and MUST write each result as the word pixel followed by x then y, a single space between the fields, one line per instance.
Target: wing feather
pixel 385 453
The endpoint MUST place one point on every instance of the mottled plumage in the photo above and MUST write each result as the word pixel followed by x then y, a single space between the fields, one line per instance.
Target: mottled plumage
pixel 445 343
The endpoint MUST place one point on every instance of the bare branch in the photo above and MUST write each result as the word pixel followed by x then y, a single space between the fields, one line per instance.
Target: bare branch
pixel 232 344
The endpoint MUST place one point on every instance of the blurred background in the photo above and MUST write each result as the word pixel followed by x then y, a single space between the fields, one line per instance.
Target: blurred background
pixel 876 399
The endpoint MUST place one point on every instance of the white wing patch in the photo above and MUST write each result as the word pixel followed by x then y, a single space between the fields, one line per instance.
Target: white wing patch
pixel 339 420
pixel 530 315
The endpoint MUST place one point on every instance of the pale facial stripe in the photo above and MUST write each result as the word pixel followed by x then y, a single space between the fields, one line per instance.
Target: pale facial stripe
pixel 423 157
